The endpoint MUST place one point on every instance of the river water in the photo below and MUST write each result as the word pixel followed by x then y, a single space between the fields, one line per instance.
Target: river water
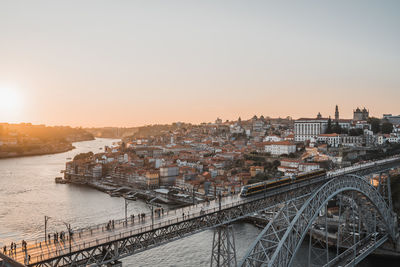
pixel 28 193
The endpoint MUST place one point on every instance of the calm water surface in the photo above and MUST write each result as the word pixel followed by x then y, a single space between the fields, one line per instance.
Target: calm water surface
pixel 28 193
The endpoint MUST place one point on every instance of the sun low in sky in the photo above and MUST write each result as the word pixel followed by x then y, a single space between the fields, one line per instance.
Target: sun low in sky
pixel 130 63
pixel 11 104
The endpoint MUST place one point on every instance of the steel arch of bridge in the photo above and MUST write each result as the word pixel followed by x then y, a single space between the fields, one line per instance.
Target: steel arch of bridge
pixel 278 243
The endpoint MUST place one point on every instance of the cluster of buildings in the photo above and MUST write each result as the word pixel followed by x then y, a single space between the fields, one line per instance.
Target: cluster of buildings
pixel 208 158
pixel 355 132
pixel 223 156
pixel 10 137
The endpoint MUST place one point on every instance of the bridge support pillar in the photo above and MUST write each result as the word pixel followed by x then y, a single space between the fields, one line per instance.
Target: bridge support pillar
pixel 223 247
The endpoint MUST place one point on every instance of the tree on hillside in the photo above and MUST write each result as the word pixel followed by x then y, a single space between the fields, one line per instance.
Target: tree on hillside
pixel 84 156
pixel 337 128
pixel 375 125
pixel 329 127
pixel 356 132
pixel 276 163
pixel 387 128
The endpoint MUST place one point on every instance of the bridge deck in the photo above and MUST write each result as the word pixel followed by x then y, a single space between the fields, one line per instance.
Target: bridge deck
pixel 98 234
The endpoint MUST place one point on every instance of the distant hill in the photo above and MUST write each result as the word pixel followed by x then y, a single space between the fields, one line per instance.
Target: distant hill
pixel 25 139
pixel 112 132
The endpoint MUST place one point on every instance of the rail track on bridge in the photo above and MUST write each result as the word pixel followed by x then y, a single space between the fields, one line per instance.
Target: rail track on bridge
pixel 97 245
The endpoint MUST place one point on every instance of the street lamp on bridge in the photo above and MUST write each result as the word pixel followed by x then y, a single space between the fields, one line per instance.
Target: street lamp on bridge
pixel 69 234
pixel 46 218
pixel 152 211
pixel 126 212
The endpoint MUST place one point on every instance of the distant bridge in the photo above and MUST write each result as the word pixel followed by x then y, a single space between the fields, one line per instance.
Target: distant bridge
pixel 366 221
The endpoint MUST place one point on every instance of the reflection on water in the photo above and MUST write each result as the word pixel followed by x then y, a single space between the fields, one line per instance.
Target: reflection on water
pixel 28 193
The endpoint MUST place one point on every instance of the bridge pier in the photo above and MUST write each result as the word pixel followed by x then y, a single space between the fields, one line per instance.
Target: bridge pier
pixel 223 248
pixel 294 208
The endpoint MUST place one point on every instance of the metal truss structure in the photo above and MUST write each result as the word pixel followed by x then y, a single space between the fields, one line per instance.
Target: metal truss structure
pixel 129 244
pixel 295 207
pixel 280 240
pixel 223 249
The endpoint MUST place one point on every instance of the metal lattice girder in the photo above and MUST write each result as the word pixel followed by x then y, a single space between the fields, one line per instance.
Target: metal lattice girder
pixel 282 251
pixel 107 252
pixel 363 208
pixel 361 248
pixel 271 235
pixel 223 249
pixel 127 243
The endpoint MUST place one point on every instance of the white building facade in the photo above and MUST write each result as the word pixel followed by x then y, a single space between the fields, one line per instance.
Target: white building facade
pixel 280 148
pixel 307 129
pixel 310 129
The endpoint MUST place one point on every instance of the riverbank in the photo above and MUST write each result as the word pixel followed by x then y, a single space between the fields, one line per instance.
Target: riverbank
pixel 118 190
pixel 40 150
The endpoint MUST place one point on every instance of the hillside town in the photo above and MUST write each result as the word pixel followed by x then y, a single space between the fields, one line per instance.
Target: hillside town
pixel 221 157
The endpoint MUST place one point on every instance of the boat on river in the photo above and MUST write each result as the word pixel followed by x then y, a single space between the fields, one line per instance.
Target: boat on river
pixel 60 180
pixel 114 194
pixel 130 196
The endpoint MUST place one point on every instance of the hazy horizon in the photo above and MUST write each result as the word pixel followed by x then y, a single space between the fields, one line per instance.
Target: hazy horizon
pixel 189 122
pixel 133 63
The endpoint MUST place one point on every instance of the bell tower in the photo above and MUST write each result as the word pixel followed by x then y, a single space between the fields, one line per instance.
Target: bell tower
pixel 336 113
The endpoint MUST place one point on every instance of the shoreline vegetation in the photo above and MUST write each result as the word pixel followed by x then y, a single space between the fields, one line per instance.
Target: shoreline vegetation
pixel 25 139
pixel 49 150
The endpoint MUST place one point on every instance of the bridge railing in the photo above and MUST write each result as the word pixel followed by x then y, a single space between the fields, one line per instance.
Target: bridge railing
pixel 331 174
pixel 43 252
pixel 90 232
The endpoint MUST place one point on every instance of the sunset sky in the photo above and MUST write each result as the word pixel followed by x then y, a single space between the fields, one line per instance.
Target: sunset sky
pixel 129 63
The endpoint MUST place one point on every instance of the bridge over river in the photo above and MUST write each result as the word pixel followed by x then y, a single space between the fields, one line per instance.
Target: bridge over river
pixel 368 223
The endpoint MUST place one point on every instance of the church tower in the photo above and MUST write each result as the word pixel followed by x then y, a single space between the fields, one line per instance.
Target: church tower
pixel 337 113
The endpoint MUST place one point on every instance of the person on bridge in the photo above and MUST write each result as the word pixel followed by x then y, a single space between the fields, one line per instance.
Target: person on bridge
pixel 4 249
pixel 23 245
pixel 201 211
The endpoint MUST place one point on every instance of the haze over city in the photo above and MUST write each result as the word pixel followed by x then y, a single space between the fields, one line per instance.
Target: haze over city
pixel 130 63
pixel 199 133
